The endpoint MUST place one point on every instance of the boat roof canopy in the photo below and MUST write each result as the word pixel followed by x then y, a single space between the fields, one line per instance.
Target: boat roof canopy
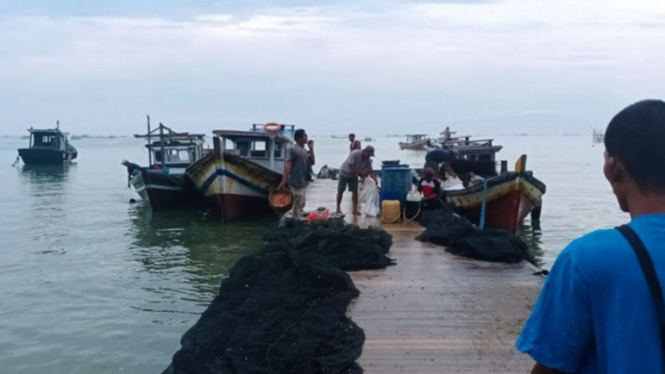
pixel 169 134
pixel 47 131
pixel 257 135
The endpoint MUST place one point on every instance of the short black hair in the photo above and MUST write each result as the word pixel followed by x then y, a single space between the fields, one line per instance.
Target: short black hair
pixel 299 134
pixel 636 137
pixel 352 134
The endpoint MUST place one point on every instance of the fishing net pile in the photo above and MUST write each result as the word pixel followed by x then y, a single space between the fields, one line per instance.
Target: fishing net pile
pixel 282 309
pixel 328 173
pixel 462 238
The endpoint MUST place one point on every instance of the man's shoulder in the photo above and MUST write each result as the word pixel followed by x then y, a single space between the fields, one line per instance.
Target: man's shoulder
pixel 596 248
pixel 599 240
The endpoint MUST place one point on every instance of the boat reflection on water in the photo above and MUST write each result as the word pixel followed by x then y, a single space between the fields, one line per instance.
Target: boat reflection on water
pixel 191 249
pixel 48 190
pixel 45 174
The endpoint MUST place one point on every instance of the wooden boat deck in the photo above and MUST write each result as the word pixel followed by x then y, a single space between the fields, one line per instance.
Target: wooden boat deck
pixel 435 312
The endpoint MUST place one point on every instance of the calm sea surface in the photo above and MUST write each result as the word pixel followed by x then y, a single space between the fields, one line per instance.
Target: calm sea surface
pixel 92 284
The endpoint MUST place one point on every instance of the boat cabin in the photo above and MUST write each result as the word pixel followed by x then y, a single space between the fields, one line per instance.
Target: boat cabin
pixel 170 149
pixel 52 139
pixel 414 138
pixel 477 150
pixel 266 148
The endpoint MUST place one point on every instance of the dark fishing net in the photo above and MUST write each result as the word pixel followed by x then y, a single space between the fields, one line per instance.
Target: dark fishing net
pixel 328 173
pixel 461 237
pixel 282 310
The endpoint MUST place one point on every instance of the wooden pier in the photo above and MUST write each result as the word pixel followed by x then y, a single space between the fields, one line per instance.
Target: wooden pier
pixel 435 312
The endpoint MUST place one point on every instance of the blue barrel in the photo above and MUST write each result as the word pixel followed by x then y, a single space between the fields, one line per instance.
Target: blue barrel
pixel 395 182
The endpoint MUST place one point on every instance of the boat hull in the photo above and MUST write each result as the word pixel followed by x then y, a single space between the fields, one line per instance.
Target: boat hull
pixel 417 146
pixel 33 156
pixel 234 187
pixel 164 191
pixel 510 198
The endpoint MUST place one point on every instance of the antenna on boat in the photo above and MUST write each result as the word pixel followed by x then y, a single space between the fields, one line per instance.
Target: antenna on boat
pixel 161 143
pixel 57 125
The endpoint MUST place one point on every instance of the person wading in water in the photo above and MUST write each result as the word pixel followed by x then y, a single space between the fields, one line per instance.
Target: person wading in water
pixel 601 310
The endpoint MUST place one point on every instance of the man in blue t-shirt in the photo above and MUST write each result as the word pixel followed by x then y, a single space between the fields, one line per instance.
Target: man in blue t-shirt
pixel 595 313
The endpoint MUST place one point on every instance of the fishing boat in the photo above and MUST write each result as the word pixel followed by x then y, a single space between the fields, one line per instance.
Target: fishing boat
pixel 163 183
pixel 417 142
pixel 48 147
pixel 500 202
pixel 244 167
pixel 472 149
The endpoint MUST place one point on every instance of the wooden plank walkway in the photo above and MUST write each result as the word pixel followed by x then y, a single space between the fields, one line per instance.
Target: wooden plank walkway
pixel 435 312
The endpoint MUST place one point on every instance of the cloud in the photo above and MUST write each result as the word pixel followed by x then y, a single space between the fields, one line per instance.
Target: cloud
pixel 332 62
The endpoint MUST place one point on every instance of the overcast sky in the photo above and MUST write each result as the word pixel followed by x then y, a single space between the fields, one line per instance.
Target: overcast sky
pixel 372 66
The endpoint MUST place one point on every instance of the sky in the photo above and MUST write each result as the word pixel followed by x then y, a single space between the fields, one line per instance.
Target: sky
pixel 368 66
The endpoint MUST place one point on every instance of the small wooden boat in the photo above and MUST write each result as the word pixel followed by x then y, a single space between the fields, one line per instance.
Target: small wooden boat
pixel 416 142
pixel 244 167
pixel 509 198
pixel 48 147
pixel 163 183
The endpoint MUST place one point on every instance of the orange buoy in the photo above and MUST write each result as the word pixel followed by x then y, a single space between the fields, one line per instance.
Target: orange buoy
pixel 272 127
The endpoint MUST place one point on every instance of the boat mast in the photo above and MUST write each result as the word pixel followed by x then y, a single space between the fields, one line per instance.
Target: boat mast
pixel 149 149
pixel 161 143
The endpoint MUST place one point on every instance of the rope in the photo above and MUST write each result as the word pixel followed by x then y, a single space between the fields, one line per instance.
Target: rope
pixel 420 208
pixel 18 158
pixel 390 211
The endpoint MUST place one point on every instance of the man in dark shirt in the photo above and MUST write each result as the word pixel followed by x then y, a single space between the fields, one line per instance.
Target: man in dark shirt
pixel 295 172
pixel 132 169
pixel 439 161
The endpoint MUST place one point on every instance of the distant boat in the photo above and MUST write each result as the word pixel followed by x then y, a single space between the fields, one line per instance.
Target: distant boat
pixel 48 147
pixel 368 139
pixel 416 142
pixel 163 183
pixel 244 167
